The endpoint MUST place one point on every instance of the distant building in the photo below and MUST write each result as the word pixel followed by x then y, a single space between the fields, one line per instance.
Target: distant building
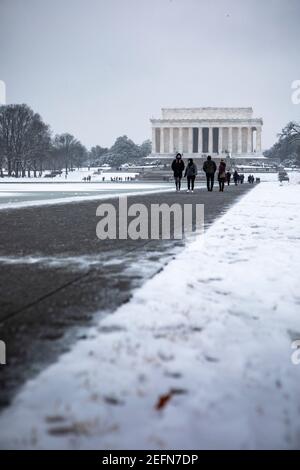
pixel 198 132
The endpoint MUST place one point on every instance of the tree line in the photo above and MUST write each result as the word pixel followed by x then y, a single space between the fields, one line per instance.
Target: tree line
pixel 287 146
pixel 28 147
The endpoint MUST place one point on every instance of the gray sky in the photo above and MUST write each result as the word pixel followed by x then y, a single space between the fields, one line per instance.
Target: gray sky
pixel 101 68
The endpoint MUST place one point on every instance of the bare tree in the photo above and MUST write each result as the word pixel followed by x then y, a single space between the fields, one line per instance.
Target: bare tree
pixel 69 150
pixel 38 153
pixel 24 138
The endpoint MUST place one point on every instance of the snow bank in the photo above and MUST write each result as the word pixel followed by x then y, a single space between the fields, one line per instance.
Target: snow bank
pixel 199 358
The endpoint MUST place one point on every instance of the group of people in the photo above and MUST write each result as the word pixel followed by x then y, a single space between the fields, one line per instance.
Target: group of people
pixel 190 172
pixel 236 178
pixel 87 178
pixel 240 178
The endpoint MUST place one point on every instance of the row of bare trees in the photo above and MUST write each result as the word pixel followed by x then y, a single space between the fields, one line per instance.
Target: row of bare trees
pixel 26 145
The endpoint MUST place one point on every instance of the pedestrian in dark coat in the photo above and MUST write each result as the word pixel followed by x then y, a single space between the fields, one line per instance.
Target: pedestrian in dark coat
pixel 236 177
pixel 190 173
pixel 222 175
pixel 228 177
pixel 210 168
pixel 178 168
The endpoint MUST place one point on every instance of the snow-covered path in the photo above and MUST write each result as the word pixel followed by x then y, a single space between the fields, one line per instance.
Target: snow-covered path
pixel 208 340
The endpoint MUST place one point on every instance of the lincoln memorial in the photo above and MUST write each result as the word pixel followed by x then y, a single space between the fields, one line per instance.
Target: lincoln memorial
pixel 198 132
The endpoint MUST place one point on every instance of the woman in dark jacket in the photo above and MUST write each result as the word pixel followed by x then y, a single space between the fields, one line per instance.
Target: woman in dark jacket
pixel 222 175
pixel 178 167
pixel 191 173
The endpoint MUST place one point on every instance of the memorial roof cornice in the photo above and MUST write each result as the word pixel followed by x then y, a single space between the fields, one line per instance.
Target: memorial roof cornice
pixel 207 120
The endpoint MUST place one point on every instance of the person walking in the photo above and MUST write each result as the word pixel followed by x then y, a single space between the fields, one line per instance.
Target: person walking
pixel 190 173
pixel 222 175
pixel 236 177
pixel 178 168
pixel 228 177
pixel 210 168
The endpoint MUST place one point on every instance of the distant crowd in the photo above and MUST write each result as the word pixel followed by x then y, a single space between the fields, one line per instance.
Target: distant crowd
pixel 210 169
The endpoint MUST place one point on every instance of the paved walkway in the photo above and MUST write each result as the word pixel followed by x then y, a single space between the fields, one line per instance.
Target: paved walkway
pixel 55 274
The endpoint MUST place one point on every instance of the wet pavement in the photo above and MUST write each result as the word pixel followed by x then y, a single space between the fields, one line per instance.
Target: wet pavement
pixel 57 278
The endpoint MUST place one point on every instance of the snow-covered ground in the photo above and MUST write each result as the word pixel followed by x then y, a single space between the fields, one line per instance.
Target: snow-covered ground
pixel 199 358
pixel 24 192
pixel 75 176
pixel 35 192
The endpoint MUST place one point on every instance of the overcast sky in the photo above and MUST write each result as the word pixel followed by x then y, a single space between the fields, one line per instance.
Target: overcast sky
pixel 101 68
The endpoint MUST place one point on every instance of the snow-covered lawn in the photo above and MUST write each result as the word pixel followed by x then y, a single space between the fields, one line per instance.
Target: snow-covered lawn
pixel 199 358
pixel 73 176
pixel 26 192
pixel 78 175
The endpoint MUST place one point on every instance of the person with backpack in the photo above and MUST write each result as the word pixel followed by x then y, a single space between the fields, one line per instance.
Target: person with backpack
pixel 178 168
pixel 190 173
pixel 222 175
pixel 210 168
